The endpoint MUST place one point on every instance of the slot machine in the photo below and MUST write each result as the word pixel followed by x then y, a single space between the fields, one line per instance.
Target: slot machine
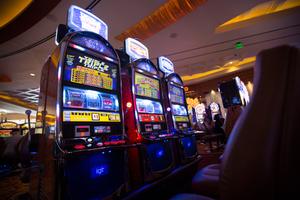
pixel 244 95
pixel 200 111
pixel 214 109
pixel 177 111
pixel 81 149
pixel 144 115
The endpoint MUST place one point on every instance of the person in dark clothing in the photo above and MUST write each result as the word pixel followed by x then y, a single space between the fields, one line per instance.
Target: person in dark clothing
pixel 207 124
pixel 218 127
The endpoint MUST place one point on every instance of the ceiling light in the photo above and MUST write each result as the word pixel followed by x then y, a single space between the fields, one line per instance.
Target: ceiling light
pixel 32 74
pixel 260 10
pixel 3 111
pixel 245 61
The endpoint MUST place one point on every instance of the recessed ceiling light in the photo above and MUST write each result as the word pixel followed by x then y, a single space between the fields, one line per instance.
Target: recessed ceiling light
pixel 32 74
pixel 3 111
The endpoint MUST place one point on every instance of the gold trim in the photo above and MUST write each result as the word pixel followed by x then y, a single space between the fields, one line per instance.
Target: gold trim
pixel 10 9
pixel 16 101
pixel 260 10
pixel 225 69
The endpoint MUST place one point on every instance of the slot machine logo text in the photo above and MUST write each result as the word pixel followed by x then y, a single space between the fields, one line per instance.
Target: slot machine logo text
pixel 89 23
pixel 165 65
pixel 136 49
pixel 93 63
pixel 80 19
pixel 149 82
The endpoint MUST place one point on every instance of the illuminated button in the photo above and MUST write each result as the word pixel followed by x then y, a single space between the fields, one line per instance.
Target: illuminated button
pixel 89 140
pixel 128 104
pixel 114 142
pixel 159 153
pixel 99 144
pixel 121 142
pixel 79 146
pixel 89 145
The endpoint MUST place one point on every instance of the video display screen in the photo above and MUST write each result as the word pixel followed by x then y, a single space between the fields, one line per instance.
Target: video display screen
pixel 94 44
pixel 87 70
pixel 176 94
pixel 89 99
pixel 147 67
pixel 146 86
pixel 179 110
pixel 148 106
pixel 230 94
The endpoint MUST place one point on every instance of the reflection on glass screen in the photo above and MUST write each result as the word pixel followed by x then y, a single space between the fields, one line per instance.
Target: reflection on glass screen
pixel 179 110
pixel 148 106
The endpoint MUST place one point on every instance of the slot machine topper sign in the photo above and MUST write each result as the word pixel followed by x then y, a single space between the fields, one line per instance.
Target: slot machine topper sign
pixel 136 49
pixel 214 107
pixel 200 111
pixel 165 65
pixel 82 20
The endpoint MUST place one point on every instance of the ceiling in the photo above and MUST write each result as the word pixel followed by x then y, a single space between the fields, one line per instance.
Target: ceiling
pixel 192 42
pixel 11 112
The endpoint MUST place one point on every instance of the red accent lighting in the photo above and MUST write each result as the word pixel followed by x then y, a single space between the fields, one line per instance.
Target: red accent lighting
pixel 128 104
pixel 79 146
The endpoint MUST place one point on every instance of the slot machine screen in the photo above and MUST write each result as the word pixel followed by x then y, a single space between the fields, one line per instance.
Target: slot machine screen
pixel 176 94
pixel 230 94
pixel 88 70
pixel 148 106
pixel 89 99
pixel 146 86
pixel 179 110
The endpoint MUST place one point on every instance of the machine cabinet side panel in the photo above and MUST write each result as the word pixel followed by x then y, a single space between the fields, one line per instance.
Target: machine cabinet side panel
pixel 129 117
pixel 48 174
pixel 51 95
pixel 42 98
pixel 43 184
pixel 169 119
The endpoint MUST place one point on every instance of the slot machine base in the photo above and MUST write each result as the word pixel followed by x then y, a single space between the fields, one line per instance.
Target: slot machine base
pixel 93 175
pixel 152 189
pixel 158 159
pixel 187 148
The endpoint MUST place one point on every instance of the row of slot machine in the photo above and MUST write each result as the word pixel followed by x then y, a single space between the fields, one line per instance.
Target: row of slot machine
pixel 110 120
pixel 200 111
pixel 233 93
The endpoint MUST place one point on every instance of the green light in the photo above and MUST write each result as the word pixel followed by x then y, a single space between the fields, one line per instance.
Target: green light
pixel 239 45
